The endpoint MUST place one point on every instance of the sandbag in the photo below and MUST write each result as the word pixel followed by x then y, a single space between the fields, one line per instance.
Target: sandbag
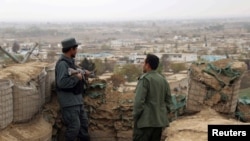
pixel 102 135
pixel 106 111
pixel 101 124
pixel 125 135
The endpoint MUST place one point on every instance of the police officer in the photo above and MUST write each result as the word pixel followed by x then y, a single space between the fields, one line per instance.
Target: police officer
pixel 152 103
pixel 69 90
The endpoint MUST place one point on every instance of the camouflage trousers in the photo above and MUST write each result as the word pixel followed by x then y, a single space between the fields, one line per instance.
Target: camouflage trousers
pixel 76 122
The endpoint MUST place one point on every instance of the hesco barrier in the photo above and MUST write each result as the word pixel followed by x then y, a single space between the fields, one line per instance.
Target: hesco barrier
pixel 6 103
pixel 22 95
pixel 243 109
pixel 215 84
pixel 29 98
pixel 49 81
pixel 41 85
pixel 27 102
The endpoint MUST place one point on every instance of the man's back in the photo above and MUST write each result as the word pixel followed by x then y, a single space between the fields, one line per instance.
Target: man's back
pixel 152 101
pixel 155 108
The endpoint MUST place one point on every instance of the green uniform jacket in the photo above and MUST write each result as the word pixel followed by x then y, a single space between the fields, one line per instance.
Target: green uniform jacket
pixel 65 81
pixel 152 101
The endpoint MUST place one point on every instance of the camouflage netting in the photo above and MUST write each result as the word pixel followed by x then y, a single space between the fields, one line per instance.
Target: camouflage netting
pixel 215 84
pixel 178 106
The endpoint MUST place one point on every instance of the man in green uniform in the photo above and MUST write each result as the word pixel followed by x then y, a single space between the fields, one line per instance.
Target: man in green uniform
pixel 152 103
pixel 69 90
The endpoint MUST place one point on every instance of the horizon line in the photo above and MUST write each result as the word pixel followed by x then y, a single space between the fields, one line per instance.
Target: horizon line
pixel 126 20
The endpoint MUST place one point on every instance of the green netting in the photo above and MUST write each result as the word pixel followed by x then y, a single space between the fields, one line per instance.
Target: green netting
pixel 239 115
pixel 98 85
pixel 227 71
pixel 95 90
pixel 94 94
pixel 178 103
pixel 244 100
pixel 243 115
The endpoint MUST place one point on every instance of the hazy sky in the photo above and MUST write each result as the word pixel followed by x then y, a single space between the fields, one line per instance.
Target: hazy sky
pixel 84 10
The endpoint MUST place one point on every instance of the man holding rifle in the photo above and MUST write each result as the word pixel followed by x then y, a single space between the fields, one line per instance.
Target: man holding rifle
pixel 69 90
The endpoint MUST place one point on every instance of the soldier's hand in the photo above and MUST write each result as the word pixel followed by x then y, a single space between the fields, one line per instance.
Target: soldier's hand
pixel 79 76
pixel 87 73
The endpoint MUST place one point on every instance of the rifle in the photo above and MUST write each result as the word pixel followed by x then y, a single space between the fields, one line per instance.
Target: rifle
pixel 85 74
pixel 73 71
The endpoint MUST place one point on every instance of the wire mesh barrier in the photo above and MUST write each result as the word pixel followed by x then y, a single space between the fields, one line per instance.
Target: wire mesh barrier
pixel 243 105
pixel 26 102
pixel 6 103
pixel 49 81
pixel 22 95
pixel 243 109
pixel 29 97
pixel 215 85
pixel 41 86
pixel 223 101
pixel 213 98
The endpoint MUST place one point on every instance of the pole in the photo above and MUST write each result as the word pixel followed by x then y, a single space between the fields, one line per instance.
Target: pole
pixel 7 53
pixel 29 53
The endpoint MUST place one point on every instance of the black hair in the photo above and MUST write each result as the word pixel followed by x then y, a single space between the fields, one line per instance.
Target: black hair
pixel 152 60
pixel 64 50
